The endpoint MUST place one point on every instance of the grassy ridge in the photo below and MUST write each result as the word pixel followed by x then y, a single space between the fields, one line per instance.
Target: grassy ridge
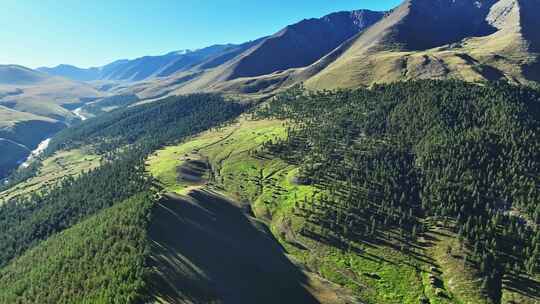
pixel 227 150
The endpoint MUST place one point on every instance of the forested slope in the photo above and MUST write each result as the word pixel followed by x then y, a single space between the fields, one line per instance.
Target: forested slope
pixel 100 260
pixel 400 156
pixel 402 193
pixel 414 192
pixel 33 226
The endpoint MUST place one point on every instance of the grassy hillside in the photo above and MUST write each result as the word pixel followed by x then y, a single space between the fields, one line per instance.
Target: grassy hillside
pixel 53 169
pixel 196 277
pixel 108 104
pixel 34 92
pixel 269 184
pixel 19 75
pixel 401 247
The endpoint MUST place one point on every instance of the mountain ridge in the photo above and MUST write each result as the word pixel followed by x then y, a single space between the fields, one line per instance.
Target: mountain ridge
pixel 495 48
pixel 139 68
pixel 300 43
pixel 13 74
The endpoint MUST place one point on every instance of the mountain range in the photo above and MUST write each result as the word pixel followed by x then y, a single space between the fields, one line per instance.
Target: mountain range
pixel 294 46
pixel 469 40
pixel 140 68
pixel 460 39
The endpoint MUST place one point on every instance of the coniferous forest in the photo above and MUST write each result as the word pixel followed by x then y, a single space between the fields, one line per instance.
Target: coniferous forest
pixel 396 157
pixel 53 214
pixel 370 152
pixel 402 155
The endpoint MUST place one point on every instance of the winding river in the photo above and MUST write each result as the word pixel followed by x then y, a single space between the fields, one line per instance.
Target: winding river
pixel 35 153
pixel 42 146
pixel 78 112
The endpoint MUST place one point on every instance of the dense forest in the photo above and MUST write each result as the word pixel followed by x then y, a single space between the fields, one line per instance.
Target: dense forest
pixel 398 156
pixel 151 125
pixel 125 138
pixel 100 260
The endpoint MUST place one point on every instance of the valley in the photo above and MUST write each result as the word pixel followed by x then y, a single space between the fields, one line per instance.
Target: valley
pixel 361 157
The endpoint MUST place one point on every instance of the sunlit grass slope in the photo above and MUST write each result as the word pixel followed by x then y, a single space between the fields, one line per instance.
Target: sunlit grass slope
pixel 381 273
pixel 53 169
pixel 177 218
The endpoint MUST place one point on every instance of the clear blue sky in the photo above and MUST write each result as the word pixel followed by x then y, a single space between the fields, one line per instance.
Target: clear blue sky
pixel 95 32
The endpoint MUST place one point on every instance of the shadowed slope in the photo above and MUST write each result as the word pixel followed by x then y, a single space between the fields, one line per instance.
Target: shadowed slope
pixel 302 44
pixel 207 250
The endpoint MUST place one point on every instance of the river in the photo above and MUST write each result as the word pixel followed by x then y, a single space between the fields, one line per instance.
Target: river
pixel 40 148
pixel 78 112
pixel 45 143
pixel 42 145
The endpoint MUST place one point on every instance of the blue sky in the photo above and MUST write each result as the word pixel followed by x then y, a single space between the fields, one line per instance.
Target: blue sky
pixel 96 32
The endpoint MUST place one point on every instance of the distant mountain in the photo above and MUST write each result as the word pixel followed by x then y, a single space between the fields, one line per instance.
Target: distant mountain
pixel 140 68
pixel 19 75
pixel 474 41
pixel 482 40
pixel 295 46
pixel 73 72
pixel 30 91
pixel 469 40
pixel 301 44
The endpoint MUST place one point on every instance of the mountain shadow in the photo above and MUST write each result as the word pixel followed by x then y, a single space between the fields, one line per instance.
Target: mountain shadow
pixel 206 249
